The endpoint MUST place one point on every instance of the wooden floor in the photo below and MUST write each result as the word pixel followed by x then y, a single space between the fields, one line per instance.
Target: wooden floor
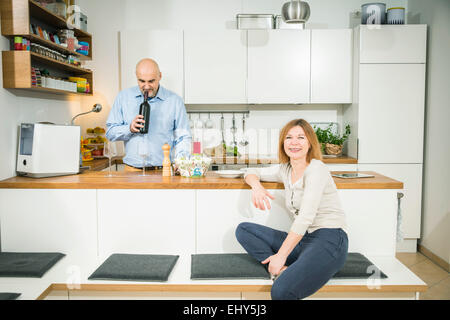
pixel 437 279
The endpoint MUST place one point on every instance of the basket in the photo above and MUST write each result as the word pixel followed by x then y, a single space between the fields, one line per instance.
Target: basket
pixel 333 149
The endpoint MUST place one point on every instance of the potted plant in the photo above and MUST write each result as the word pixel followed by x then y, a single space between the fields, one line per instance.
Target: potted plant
pixel 331 143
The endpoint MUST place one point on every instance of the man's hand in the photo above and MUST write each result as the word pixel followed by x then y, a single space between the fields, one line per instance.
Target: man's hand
pixel 137 123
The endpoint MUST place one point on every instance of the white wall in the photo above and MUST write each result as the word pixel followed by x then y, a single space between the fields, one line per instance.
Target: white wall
pixel 436 182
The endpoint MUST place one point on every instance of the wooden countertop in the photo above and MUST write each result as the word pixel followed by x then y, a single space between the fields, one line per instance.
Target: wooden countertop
pixel 155 180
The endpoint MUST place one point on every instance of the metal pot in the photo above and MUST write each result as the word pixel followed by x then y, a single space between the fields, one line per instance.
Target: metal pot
pixel 295 11
pixel 373 13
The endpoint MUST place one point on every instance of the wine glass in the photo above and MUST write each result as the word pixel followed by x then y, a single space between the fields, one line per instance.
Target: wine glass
pixel 109 151
pixel 143 153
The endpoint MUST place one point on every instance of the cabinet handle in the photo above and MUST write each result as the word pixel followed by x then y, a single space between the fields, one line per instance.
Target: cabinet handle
pixel 399 217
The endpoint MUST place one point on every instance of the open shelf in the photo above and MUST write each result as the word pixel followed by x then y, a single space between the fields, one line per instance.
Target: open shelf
pixel 57 91
pixel 43 14
pixel 17 72
pixel 16 16
pixel 54 46
pixel 62 65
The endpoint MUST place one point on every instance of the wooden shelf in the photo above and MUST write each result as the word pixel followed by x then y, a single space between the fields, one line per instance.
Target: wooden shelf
pixel 15 21
pixel 57 91
pixel 43 14
pixel 17 72
pixel 64 66
pixel 34 38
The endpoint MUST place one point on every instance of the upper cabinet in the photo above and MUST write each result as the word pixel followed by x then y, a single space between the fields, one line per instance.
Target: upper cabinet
pixel 215 66
pixel 164 46
pixel 393 44
pixel 279 66
pixel 391 113
pixel 331 66
pixel 268 66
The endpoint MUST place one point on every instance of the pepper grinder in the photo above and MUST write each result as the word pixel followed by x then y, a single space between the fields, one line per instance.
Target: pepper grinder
pixel 166 162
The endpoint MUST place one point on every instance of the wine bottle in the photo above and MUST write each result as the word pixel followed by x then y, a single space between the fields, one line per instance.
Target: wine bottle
pixel 144 110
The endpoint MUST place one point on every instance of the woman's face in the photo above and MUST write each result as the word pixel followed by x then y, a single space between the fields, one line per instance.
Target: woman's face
pixel 296 144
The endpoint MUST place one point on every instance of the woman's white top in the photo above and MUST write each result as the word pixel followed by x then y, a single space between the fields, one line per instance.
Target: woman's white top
pixel 313 200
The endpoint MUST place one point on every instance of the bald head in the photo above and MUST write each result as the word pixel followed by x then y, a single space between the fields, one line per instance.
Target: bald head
pixel 148 76
pixel 147 65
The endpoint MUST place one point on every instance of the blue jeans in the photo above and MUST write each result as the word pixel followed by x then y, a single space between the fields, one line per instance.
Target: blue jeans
pixel 315 259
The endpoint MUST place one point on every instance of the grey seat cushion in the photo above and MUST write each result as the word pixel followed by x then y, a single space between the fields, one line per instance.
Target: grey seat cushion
pixel 9 296
pixel 227 266
pixel 357 266
pixel 27 265
pixel 135 267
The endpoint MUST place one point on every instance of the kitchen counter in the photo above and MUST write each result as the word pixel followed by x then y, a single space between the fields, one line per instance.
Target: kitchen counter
pixel 155 180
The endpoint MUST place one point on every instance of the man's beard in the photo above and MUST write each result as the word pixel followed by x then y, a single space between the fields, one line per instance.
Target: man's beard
pixel 155 92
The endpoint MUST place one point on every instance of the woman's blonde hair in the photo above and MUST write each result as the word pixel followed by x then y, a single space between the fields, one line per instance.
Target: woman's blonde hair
pixel 314 151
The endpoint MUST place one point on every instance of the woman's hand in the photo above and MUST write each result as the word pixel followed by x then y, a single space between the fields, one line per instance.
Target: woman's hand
pixel 276 263
pixel 260 197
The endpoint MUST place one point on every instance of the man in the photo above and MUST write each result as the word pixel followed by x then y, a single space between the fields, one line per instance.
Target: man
pixel 168 120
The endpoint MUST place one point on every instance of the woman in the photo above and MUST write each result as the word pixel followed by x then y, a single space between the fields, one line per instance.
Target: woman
pixel 315 248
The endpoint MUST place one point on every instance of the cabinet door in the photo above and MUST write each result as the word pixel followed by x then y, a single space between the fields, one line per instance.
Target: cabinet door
pixel 331 66
pixel 391 113
pixel 43 220
pixel 216 66
pixel 411 203
pixel 219 213
pixel 341 167
pixel 279 66
pixel 393 44
pixel 164 46
pixel 146 221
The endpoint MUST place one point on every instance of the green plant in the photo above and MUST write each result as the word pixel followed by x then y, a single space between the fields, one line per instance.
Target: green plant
pixel 327 136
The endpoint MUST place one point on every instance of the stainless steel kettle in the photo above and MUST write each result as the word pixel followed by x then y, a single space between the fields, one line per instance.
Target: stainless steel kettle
pixel 295 11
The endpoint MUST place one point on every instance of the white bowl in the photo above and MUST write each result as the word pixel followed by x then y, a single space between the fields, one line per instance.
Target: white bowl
pixel 229 173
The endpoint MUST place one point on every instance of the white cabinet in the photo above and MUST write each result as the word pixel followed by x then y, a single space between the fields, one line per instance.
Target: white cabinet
pixel 216 224
pixel 215 66
pixel 390 107
pixel 411 176
pixel 164 46
pixel 146 221
pixel 342 167
pixel 279 66
pixel 331 65
pixel 391 113
pixel 43 220
pixel 219 213
pixel 393 44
